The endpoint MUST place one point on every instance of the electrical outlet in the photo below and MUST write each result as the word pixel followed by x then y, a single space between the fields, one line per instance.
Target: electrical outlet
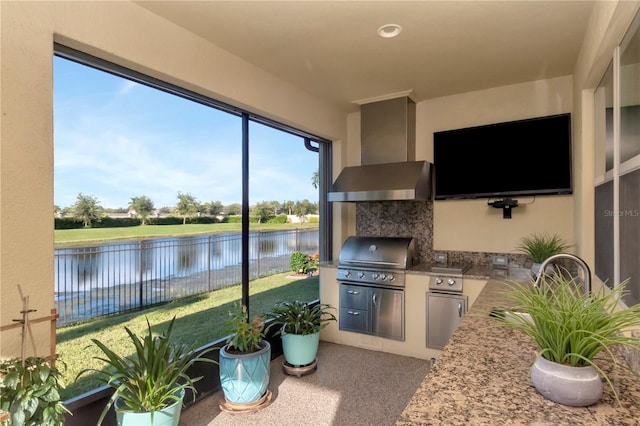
pixel 440 258
pixel 500 261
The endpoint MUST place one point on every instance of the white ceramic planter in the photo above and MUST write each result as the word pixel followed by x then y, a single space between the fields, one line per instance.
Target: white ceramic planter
pixel 574 386
pixel 535 270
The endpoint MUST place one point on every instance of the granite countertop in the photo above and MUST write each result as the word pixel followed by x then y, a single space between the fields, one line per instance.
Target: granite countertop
pixel 482 272
pixel 482 378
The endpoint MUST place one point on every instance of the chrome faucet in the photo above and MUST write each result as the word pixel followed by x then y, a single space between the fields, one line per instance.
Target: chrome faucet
pixel 585 269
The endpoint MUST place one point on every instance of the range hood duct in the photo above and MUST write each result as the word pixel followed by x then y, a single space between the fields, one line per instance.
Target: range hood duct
pixel 389 171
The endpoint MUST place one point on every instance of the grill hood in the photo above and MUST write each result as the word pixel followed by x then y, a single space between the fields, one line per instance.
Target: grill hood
pixel 389 171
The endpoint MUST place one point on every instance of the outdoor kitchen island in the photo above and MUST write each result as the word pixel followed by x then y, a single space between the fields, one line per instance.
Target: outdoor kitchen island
pixel 482 378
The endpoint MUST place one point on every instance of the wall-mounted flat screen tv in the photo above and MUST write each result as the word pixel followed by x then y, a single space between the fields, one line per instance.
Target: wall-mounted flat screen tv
pixel 516 158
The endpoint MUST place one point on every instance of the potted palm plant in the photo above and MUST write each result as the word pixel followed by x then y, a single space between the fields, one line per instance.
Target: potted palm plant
pixel 570 328
pixel 149 385
pixel 244 361
pixel 540 247
pixel 299 325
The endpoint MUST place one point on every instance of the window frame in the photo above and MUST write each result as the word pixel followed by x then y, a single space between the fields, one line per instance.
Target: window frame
pixel 323 147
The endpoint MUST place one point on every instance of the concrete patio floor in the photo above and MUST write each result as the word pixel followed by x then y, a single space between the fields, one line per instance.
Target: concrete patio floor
pixel 351 386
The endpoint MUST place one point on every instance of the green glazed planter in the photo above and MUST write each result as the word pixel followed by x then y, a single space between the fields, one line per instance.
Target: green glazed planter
pixel 244 377
pixel 300 349
pixel 168 416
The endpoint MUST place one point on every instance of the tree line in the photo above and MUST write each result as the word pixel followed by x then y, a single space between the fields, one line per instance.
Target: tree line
pixel 88 210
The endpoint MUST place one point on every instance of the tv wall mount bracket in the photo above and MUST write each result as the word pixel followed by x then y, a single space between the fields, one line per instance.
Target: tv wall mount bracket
pixel 506 204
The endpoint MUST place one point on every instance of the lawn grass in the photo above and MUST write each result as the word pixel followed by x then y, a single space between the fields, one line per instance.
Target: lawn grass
pixel 67 236
pixel 199 320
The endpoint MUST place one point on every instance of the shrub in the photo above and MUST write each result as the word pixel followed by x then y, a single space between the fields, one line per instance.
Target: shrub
pixel 203 220
pixel 168 220
pixel 30 393
pixel 118 222
pixel 67 223
pixel 299 262
pixel 281 218
pixel 238 219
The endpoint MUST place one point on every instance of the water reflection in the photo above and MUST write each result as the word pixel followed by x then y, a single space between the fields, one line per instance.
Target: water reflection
pixel 138 261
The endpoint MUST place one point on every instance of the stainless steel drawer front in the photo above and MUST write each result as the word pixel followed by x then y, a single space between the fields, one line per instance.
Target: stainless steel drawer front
pixel 372 310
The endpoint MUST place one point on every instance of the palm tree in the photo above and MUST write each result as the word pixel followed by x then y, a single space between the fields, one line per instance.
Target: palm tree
pixel 87 208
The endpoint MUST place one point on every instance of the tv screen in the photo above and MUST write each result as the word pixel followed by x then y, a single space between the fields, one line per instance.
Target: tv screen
pixel 524 157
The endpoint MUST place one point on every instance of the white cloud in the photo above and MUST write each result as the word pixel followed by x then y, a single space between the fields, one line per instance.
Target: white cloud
pixel 119 141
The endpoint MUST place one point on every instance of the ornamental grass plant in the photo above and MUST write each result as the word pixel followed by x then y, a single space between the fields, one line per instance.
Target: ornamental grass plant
pixel 542 246
pixel 569 326
pixel 301 318
pixel 151 378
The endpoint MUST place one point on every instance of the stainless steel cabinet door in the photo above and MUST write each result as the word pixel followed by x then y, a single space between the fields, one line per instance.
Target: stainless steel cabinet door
pixel 387 313
pixel 444 314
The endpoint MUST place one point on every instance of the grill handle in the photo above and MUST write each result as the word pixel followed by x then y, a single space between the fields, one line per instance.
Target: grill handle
pixel 371 263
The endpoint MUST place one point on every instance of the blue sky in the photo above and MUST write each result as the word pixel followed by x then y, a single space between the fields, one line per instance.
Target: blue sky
pixel 115 139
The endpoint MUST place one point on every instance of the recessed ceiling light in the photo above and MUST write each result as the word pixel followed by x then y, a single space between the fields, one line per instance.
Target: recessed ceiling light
pixel 389 30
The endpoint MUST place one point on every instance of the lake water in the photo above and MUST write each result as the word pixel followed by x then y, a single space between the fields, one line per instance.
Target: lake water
pixel 107 278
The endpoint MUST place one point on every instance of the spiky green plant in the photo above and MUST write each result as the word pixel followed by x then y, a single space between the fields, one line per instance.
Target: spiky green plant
pixel 296 317
pixel 151 378
pixel 542 246
pixel 569 326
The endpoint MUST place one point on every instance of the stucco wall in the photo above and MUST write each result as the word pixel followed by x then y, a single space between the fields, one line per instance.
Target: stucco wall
pixel 129 35
pixel 126 34
pixel 471 225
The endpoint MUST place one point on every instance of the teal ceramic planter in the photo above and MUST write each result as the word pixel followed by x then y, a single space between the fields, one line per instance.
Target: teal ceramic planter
pixel 169 416
pixel 244 377
pixel 300 349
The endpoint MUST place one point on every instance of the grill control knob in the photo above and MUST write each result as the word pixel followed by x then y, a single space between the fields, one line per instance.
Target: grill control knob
pixel 391 278
pixel 439 281
pixel 383 277
pixel 348 274
pixel 375 276
pixel 361 275
pixel 451 282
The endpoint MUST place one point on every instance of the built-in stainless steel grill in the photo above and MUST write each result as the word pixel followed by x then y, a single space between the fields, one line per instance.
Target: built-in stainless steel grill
pixel 380 261
pixel 371 276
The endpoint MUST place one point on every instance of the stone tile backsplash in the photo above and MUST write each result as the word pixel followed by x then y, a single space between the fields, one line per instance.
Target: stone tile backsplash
pixel 415 219
pixel 398 219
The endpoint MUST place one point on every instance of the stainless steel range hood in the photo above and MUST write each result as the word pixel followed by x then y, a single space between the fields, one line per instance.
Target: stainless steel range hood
pixel 389 171
pixel 383 182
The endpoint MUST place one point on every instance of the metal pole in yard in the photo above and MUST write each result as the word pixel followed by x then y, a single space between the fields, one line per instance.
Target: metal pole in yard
pixel 259 251
pixel 209 263
pixel 140 296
